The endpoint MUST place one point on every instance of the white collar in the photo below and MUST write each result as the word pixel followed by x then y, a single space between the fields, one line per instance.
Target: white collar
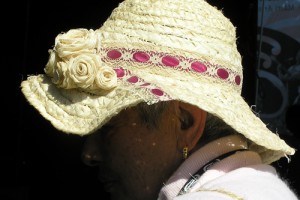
pixel 197 160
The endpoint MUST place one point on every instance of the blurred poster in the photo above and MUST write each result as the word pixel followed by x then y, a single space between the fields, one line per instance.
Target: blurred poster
pixel 278 65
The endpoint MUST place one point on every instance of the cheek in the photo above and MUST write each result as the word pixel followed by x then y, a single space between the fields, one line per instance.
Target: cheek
pixel 152 154
pixel 124 150
pixel 141 148
pixel 142 159
pixel 130 155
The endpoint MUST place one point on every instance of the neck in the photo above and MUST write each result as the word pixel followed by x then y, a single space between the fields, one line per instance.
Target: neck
pixel 198 159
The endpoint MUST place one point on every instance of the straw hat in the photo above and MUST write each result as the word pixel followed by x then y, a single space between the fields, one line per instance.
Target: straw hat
pixel 149 51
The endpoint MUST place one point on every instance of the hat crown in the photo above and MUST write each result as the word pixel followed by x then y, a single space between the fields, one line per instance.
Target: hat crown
pixel 189 28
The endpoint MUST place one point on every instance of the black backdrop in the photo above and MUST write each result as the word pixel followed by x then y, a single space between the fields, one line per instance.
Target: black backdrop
pixel 38 162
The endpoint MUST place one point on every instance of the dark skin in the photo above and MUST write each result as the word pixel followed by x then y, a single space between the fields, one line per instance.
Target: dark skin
pixel 134 161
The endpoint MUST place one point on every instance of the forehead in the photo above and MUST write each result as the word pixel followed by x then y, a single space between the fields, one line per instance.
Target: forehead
pixel 125 115
pixel 145 113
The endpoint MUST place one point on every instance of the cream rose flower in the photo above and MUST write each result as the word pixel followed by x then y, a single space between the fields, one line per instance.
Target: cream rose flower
pixel 106 78
pixel 83 68
pixel 75 62
pixel 50 66
pixel 60 76
pixel 76 42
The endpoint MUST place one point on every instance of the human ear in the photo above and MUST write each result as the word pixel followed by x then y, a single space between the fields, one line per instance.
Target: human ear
pixel 192 120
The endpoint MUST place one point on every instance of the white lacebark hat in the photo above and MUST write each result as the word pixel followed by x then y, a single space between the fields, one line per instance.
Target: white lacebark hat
pixel 149 51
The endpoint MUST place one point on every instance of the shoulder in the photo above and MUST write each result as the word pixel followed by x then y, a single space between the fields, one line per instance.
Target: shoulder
pixel 252 182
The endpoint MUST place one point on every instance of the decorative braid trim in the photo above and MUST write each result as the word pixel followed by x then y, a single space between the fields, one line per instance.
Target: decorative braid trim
pixel 130 79
pixel 176 62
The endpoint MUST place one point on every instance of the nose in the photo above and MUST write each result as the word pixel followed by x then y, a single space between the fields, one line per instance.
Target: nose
pixel 91 153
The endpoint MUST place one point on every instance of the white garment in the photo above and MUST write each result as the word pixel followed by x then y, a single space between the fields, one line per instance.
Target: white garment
pixel 257 182
pixel 239 176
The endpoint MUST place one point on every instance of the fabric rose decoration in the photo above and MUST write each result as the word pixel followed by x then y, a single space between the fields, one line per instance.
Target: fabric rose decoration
pixel 75 62
pixel 76 42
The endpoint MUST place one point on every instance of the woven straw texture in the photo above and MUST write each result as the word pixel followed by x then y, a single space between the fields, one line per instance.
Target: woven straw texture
pixel 149 51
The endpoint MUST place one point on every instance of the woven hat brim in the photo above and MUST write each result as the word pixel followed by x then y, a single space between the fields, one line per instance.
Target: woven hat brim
pixel 72 111
pixel 233 110
pixel 77 112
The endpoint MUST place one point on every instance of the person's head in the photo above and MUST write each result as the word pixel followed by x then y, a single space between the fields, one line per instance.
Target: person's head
pixel 139 149
pixel 137 152
pixel 111 83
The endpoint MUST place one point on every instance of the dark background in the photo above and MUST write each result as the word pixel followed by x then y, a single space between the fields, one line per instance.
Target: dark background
pixel 37 161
